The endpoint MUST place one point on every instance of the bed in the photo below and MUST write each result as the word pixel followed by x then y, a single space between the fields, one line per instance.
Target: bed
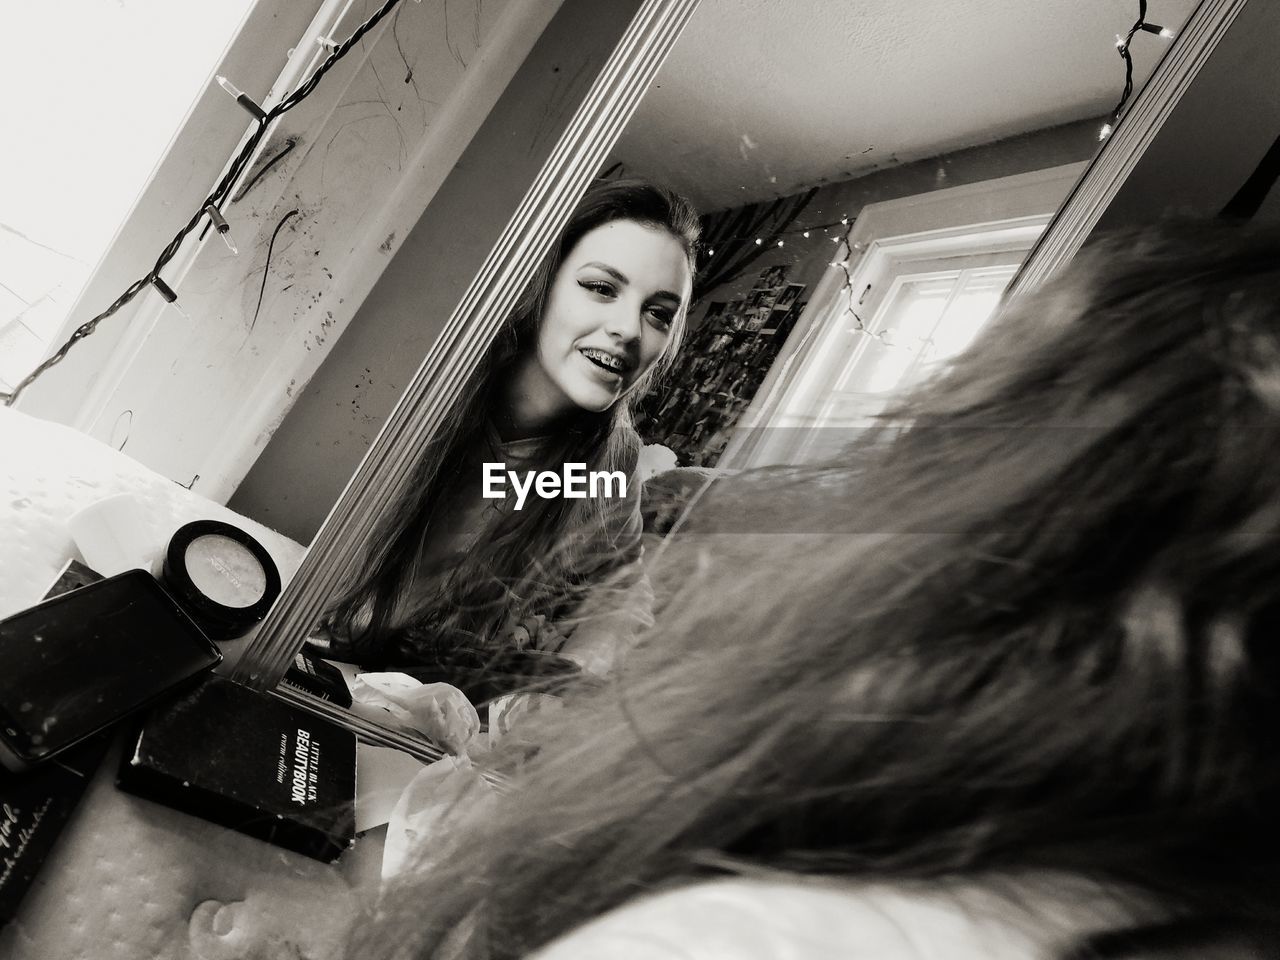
pixel 129 879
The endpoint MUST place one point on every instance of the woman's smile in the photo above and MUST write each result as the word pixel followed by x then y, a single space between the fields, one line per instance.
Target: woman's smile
pixel 613 367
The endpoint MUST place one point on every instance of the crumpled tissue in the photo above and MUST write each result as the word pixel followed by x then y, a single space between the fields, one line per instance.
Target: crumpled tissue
pixel 443 713
pixel 423 808
pixel 440 711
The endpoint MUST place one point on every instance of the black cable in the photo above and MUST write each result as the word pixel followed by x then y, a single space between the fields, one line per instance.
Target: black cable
pixel 769 238
pixel 1127 92
pixel 215 199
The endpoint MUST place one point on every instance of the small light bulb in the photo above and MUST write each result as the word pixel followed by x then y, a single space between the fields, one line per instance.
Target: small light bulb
pixel 806 234
pixel 171 298
pixel 779 243
pixel 1158 30
pixel 242 98
pixel 1167 33
pixel 228 86
pixel 835 239
pixel 1105 131
pixel 711 253
pixel 327 43
pixel 222 227
pixel 844 221
pixel 759 241
pixel 1120 42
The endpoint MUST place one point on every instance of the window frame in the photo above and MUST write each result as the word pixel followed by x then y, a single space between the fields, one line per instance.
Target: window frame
pixel 859 365
pixel 257 56
pixel 1002 214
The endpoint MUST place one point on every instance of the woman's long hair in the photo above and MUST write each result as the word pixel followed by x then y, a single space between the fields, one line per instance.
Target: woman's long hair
pixel 1033 635
pixel 509 568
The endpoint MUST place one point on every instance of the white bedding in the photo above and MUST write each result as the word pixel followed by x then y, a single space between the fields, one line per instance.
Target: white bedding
pixel 129 879
pixel 50 472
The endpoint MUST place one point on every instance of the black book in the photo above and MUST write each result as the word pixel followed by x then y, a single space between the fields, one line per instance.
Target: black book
pixel 249 761
pixel 34 807
pixel 36 804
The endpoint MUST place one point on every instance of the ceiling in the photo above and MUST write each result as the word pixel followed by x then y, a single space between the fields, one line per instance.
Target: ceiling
pixel 762 98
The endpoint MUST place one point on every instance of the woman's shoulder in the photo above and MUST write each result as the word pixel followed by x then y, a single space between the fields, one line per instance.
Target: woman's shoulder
pixel 742 919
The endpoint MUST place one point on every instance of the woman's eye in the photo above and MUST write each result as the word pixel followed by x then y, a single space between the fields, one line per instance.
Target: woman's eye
pixel 601 287
pixel 661 317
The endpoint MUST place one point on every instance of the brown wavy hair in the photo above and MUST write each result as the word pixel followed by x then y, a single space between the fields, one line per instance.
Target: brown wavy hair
pixel 1035 634
pixel 518 564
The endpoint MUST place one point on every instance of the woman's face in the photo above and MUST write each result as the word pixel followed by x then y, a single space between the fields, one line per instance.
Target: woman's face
pixel 609 315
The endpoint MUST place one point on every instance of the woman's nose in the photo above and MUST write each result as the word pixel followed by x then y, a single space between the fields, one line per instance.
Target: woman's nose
pixel 623 322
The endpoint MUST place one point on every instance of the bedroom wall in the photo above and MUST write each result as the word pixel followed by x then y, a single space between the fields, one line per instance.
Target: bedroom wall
pixel 809 258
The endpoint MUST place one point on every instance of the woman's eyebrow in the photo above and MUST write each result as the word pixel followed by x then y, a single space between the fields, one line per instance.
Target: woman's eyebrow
pixel 611 271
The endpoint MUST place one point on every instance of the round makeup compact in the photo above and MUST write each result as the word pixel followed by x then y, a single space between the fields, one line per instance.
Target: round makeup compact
pixel 223 578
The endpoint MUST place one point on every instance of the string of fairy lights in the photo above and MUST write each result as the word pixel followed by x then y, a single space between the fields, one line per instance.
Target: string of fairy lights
pixel 775 238
pixel 1123 42
pixel 842 262
pixel 1122 46
pixel 210 210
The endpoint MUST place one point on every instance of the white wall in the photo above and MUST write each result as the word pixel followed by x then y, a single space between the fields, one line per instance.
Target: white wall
pixel 196 399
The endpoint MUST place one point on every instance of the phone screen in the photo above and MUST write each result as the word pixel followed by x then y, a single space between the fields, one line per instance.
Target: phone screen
pixel 73 664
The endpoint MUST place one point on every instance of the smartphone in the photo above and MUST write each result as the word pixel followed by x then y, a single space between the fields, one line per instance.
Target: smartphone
pixel 75 664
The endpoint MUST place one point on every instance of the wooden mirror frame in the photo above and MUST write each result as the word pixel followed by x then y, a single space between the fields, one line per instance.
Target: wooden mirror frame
pixel 579 155
pixel 1133 135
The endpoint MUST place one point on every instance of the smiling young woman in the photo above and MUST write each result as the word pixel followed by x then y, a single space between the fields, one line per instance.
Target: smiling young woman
pixel 608 320
pixel 455 583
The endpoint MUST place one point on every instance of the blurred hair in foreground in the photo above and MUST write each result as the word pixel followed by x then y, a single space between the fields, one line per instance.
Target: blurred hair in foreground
pixel 1026 647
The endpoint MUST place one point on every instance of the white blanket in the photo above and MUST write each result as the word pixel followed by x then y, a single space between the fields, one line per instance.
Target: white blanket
pixel 50 472
pixel 130 879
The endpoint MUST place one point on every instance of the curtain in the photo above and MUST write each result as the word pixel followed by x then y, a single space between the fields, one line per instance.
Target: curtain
pixel 732 235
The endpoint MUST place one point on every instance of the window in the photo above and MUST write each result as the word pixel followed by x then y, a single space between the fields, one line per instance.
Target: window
pixel 925 319
pixel 925 275
pixel 923 299
pixel 94 123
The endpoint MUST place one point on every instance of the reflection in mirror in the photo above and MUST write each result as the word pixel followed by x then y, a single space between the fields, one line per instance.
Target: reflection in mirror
pixel 865 217
pixel 155 415
pixel 461 577
pixel 862 216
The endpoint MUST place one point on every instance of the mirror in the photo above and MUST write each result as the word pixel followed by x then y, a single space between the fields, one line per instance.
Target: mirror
pixel 863 216
pixel 945 193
